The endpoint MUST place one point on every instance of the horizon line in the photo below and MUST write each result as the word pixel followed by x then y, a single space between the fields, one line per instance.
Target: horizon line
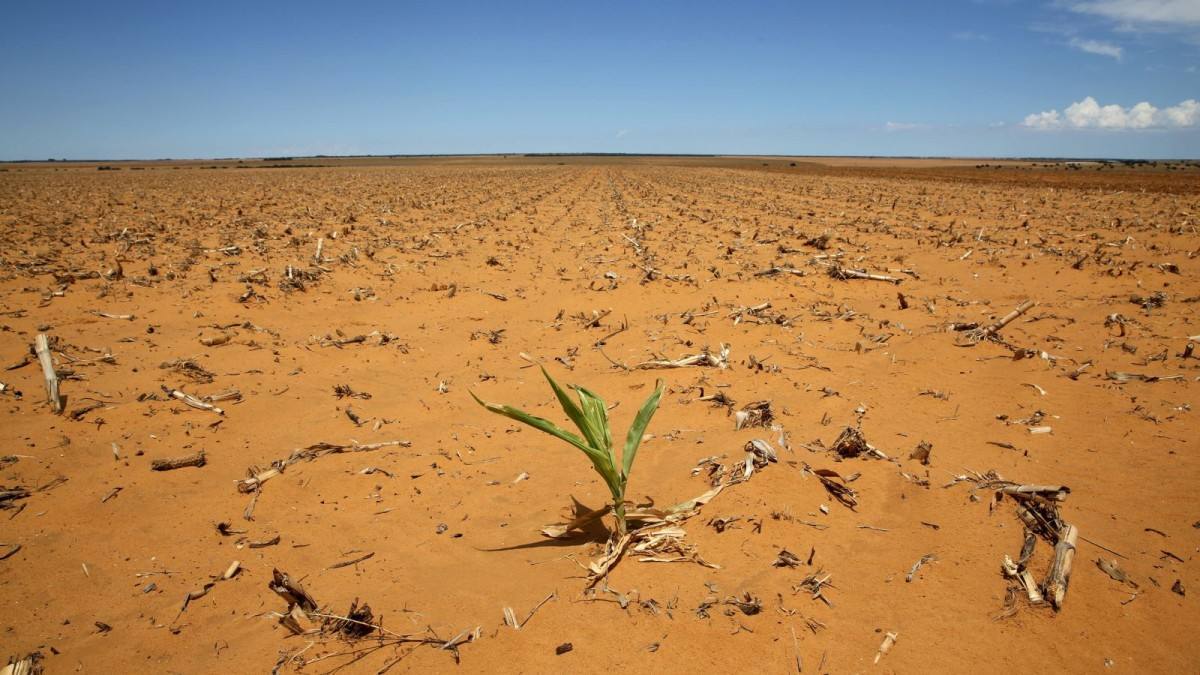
pixel 282 158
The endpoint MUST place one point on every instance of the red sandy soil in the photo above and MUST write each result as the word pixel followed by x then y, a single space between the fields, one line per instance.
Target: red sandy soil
pixel 454 269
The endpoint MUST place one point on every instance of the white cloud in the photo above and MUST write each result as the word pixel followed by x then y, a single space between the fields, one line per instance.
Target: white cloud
pixel 1097 47
pixel 622 133
pixel 1160 13
pixel 1088 114
pixel 904 126
pixel 970 36
pixel 1043 120
pixel 1186 114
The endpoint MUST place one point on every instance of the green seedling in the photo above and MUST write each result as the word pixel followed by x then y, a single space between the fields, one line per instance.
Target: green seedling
pixel 591 417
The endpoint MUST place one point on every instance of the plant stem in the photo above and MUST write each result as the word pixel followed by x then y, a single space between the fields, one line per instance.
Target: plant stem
pixel 619 513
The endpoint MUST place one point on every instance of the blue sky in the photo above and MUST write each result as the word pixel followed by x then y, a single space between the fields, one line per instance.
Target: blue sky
pixel 966 78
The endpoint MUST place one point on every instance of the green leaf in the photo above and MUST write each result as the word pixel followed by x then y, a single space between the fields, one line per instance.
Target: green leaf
pixel 539 423
pixel 597 414
pixel 573 411
pixel 638 429
pixel 600 460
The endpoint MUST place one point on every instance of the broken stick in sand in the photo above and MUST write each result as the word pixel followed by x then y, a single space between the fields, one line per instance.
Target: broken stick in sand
pixel 179 462
pixel 990 332
pixel 258 476
pixel 41 347
pixel 191 400
pixel 845 274
pixel 1060 571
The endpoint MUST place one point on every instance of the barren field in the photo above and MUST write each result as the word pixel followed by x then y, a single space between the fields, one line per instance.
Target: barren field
pixel 305 341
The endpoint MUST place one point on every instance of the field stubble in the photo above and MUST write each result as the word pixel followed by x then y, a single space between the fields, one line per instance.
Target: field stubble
pixel 333 320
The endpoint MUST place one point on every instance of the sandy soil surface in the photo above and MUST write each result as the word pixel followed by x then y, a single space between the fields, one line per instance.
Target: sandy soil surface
pixel 458 275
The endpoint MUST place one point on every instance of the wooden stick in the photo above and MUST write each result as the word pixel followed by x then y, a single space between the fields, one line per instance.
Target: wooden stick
pixel 1031 587
pixel 844 274
pixel 888 641
pixel 192 400
pixel 604 340
pixel 989 332
pixel 1013 570
pixel 597 318
pixel 1056 493
pixel 352 561
pixel 1060 571
pixel 216 340
pixel 25 666
pixel 796 648
pixel 41 346
pixel 106 315
pixel 781 270
pixel 227 395
pixel 548 598
pixel 291 591
pixel 179 462
pixel 1011 316
pixel 257 476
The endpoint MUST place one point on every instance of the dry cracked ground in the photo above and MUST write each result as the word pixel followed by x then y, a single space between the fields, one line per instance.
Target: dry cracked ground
pixel 338 317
